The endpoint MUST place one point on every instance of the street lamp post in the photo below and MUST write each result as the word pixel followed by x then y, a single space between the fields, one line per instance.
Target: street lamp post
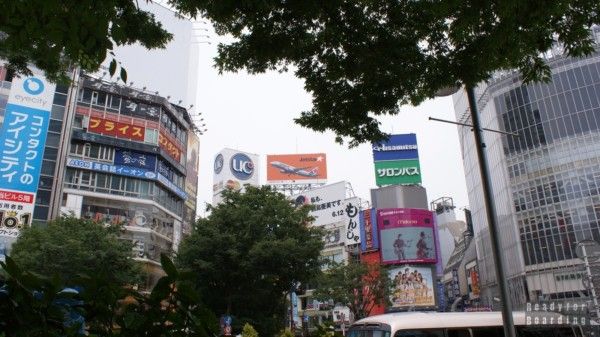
pixel 490 207
pixel 486 183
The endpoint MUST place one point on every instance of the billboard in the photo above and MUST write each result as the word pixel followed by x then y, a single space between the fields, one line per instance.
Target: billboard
pixel 329 203
pixel 116 129
pixel 124 170
pixel 333 235
pixel 397 172
pixel 234 169
pixel 412 287
pixel 397 160
pixel 473 280
pixel 297 168
pixel 406 235
pixel 169 146
pixel 22 142
pixel 135 159
pixel 368 230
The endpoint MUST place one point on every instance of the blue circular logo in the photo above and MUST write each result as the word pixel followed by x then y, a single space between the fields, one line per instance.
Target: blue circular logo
pixel 218 166
pixel 241 166
pixel 33 86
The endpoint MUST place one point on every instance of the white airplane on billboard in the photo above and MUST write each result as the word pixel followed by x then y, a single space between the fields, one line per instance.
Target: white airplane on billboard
pixel 301 171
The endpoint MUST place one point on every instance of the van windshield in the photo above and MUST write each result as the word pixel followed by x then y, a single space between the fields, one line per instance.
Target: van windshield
pixel 367 333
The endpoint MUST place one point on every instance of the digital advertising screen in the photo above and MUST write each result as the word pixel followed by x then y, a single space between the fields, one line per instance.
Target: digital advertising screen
pixel 406 236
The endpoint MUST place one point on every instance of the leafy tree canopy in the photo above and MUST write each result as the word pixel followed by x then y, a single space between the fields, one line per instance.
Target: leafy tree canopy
pixel 360 59
pixel 248 253
pixel 69 247
pixel 55 34
pixel 357 285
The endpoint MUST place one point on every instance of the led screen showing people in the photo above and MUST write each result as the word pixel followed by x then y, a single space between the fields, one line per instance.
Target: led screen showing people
pixel 407 236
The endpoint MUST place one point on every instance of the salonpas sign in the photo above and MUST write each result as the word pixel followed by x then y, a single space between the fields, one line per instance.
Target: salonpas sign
pixel 397 161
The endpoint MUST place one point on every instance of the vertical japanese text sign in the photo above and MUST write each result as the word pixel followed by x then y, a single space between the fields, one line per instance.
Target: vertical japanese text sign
pixel 22 141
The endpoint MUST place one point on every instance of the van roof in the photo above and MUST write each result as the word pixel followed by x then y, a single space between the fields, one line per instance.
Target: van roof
pixel 430 320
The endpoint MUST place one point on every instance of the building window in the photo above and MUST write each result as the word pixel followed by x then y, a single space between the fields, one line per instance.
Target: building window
pixel 151 136
pixel 114 102
pixel 85 95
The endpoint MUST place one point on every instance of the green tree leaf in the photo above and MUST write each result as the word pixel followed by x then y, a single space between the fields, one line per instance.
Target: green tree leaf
pixel 168 266
pixel 123 75
pixel 113 67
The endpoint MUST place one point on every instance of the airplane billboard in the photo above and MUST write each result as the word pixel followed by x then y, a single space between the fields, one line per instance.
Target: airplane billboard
pixel 308 168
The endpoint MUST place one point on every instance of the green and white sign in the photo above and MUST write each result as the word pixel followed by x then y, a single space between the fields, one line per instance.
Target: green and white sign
pixel 394 172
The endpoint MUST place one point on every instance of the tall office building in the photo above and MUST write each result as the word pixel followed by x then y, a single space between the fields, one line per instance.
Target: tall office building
pixel 545 181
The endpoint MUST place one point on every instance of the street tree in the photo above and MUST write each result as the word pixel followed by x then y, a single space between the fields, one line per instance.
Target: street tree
pixel 358 285
pixel 362 59
pixel 34 305
pixel 70 247
pixel 248 253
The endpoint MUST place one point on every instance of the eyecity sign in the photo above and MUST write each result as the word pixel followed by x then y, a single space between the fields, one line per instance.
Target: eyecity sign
pixel 22 143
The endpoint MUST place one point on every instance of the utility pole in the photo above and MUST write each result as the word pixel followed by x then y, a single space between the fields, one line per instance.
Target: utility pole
pixel 490 207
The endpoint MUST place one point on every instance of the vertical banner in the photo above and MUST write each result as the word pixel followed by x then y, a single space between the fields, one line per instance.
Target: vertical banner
pixel 191 181
pixel 368 230
pixel 441 297
pixel 455 284
pixel 352 210
pixel 22 141
pixel 225 323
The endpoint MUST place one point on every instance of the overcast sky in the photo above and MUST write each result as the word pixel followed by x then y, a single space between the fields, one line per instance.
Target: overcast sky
pixel 254 113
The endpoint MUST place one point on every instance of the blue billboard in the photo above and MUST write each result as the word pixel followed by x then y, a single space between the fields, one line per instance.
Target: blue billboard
pixel 109 168
pixel 23 137
pixel 135 159
pixel 128 171
pixel 22 140
pixel 396 147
